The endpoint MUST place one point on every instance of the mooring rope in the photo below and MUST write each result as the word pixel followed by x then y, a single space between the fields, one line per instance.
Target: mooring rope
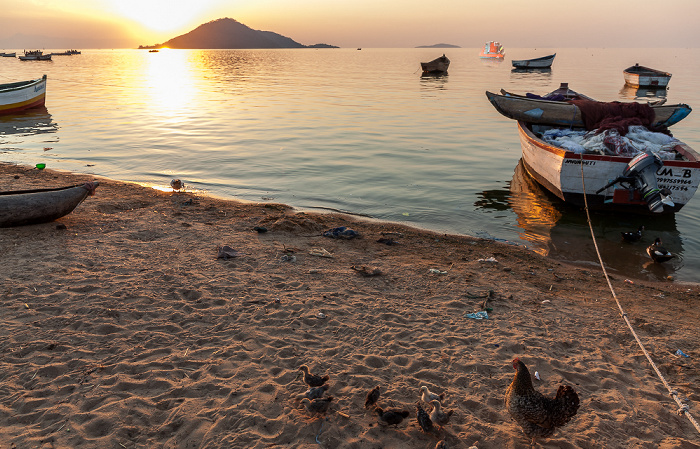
pixel 682 408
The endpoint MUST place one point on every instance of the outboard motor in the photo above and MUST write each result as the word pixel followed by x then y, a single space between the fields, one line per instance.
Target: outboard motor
pixel 640 174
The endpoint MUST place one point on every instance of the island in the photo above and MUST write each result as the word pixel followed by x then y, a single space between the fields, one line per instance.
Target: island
pixel 228 33
pixel 439 46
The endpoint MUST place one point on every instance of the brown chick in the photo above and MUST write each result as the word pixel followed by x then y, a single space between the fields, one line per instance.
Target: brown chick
pixel 538 416
pixel 372 397
pixel 319 405
pixel 438 416
pixel 311 379
pixel 424 421
pixel 392 417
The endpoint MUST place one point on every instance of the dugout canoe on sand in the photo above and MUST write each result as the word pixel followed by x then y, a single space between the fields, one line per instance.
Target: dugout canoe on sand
pixel 23 207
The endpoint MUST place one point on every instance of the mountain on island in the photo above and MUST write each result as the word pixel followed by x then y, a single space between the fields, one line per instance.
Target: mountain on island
pixel 439 46
pixel 229 33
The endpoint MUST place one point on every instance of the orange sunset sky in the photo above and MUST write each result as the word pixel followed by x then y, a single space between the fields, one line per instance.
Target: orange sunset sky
pixel 358 23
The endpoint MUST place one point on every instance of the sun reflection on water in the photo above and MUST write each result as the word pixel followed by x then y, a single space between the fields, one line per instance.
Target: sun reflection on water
pixel 170 84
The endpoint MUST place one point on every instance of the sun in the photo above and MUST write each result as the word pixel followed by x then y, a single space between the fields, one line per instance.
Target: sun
pixel 161 16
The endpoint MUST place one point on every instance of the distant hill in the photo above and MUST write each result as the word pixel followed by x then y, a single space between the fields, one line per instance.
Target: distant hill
pixel 229 33
pixel 439 46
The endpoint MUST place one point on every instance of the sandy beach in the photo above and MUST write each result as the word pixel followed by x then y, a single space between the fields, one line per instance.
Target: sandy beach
pixel 123 329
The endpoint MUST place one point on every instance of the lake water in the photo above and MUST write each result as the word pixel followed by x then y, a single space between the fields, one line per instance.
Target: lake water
pixel 359 131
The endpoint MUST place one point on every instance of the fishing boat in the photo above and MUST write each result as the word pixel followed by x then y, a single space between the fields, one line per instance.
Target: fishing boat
pixel 492 50
pixel 438 65
pixel 35 55
pixel 616 175
pixel 15 97
pixel 9 55
pixel 23 207
pixel 556 110
pixel 537 63
pixel 640 76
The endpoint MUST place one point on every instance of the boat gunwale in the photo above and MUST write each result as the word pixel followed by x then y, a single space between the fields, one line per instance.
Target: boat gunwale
pixel 19 85
pixel 682 148
pixel 54 189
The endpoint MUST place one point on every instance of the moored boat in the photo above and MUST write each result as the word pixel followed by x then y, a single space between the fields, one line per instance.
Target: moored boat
pixel 15 97
pixel 9 55
pixel 619 167
pixel 438 65
pixel 537 63
pixel 25 207
pixel 553 110
pixel 35 55
pixel 640 76
pixel 492 50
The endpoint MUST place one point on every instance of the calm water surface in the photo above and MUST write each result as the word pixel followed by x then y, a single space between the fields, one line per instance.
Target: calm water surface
pixel 357 131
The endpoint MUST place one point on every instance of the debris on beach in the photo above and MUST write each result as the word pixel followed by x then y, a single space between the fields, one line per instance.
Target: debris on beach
pixel 488 260
pixel 341 232
pixel 260 229
pixel 320 252
pixel 226 252
pixel 436 271
pixel 368 272
pixel 387 241
pixel 480 315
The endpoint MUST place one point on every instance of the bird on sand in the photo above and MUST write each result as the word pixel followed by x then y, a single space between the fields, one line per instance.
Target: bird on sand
pixel 424 420
pixel 438 416
pixel 392 417
pixel 632 236
pixel 313 393
pixel 427 396
pixel 319 405
pixel 176 184
pixel 658 253
pixel 372 397
pixel 311 379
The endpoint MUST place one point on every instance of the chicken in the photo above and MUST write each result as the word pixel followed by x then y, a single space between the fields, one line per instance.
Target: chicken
pixel 423 419
pixel 538 416
pixel 438 416
pixel 317 405
pixel 313 393
pixel 312 380
pixel 393 417
pixel 372 397
pixel 427 395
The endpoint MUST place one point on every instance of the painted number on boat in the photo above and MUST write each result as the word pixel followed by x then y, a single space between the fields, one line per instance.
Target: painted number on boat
pixel 578 162
pixel 666 171
pixel 39 87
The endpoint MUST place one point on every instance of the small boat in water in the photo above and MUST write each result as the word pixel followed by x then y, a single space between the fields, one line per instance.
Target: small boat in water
pixel 23 207
pixel 640 76
pixel 438 65
pixel 492 50
pixel 606 165
pixel 559 110
pixel 15 97
pixel 35 55
pixel 537 63
pixel 9 55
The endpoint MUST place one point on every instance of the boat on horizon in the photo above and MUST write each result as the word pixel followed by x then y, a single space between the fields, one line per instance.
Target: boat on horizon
pixel 437 65
pixel 492 50
pixel 640 76
pixel 35 55
pixel 544 62
pixel 15 97
pixel 604 167
pixel 9 55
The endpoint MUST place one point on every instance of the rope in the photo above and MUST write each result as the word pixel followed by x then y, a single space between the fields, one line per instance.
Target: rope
pixel 682 408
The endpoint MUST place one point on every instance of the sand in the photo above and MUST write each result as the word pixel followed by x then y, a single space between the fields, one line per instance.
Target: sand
pixel 124 329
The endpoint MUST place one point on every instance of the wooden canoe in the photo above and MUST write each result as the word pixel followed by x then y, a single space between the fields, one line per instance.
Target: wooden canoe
pixel 536 63
pixel 561 113
pixel 438 65
pixel 23 207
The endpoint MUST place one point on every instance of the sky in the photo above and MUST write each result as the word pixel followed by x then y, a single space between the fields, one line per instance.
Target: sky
pixel 58 24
